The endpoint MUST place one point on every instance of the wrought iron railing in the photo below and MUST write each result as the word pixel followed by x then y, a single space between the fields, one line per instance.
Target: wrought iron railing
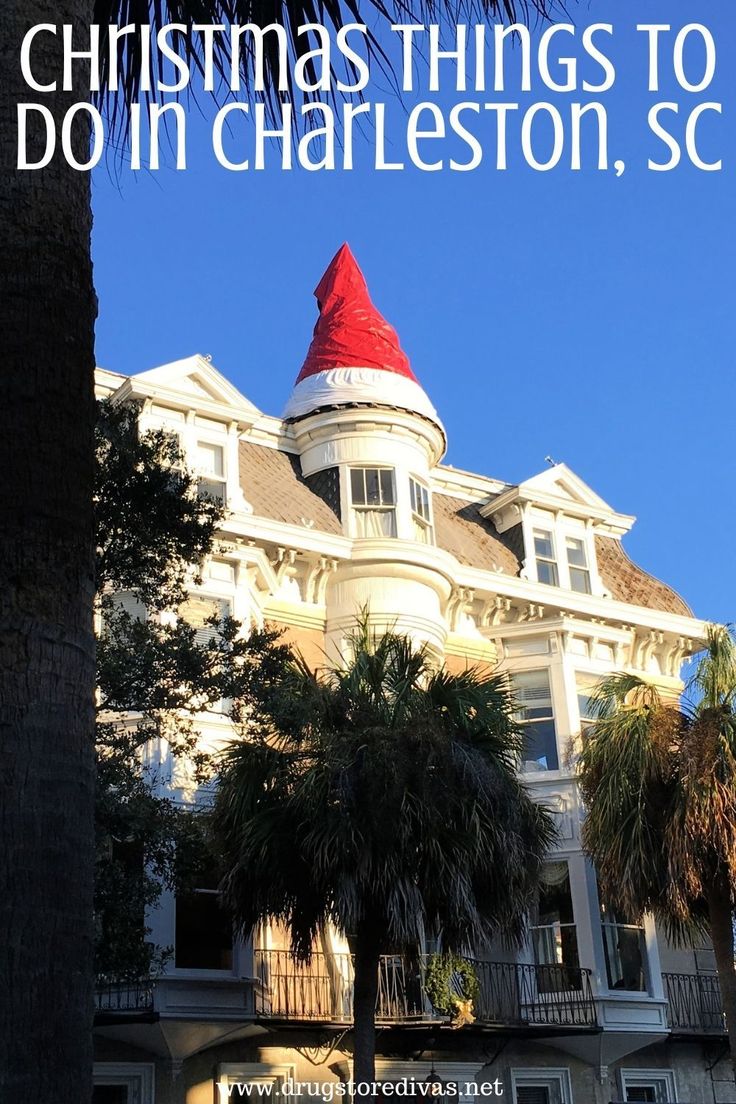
pixel 510 994
pixel 123 996
pixel 694 1004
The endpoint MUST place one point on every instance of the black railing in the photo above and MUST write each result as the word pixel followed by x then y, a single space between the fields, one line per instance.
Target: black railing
pixel 694 1004
pixel 511 994
pixel 123 997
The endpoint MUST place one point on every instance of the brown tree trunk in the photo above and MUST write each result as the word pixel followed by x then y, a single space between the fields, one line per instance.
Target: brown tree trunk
pixel 720 914
pixel 365 995
pixel 47 311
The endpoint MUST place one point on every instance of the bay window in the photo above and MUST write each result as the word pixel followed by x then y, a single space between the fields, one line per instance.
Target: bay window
pixel 373 501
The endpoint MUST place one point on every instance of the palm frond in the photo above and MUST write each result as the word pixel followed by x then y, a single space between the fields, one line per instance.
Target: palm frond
pixel 281 48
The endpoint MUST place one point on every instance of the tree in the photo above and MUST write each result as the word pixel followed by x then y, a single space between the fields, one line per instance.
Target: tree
pixel 155 676
pixel 659 781
pixel 381 797
pixel 47 674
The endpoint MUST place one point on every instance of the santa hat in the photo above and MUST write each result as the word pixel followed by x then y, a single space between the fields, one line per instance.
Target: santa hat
pixel 355 357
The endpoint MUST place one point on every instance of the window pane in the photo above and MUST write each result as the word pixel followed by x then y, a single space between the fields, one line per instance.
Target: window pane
pixel 413 494
pixel 580 580
pixel 641 1092
pixel 113 1094
pixel 357 487
pixel 387 487
pixel 210 458
pixel 532 1094
pixel 576 552
pixel 547 572
pixel 532 693
pixel 211 488
pixel 372 492
pixel 204 937
pixel 540 746
pixel 543 544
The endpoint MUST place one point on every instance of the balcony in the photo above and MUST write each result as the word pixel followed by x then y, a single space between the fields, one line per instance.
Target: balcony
pixel 121 999
pixel 694 1004
pixel 529 997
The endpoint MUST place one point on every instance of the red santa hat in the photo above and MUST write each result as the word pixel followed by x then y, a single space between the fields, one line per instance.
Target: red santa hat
pixel 355 356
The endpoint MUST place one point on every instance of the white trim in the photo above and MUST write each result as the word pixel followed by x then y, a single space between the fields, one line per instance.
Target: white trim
pixel 139 1077
pixel 664 1079
pixel 345 386
pixel 544 1078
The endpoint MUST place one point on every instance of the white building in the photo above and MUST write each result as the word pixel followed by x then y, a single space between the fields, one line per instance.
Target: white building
pixel 345 503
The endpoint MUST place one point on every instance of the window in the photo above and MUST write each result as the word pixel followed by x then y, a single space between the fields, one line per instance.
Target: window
pixel 624 949
pixel 204 933
pixel 577 565
pixel 534 697
pixel 544 550
pixel 123 1083
pixel 421 517
pixel 554 935
pixel 541 1086
pixel 199 610
pixel 586 687
pixel 373 499
pixel 650 1086
pixel 210 463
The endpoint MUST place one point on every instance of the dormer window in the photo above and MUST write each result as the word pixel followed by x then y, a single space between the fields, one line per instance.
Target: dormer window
pixel 210 463
pixel 577 565
pixel 544 551
pixel 373 501
pixel 420 511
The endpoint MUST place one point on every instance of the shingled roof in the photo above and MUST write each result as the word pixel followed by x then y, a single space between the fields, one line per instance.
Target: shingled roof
pixel 273 484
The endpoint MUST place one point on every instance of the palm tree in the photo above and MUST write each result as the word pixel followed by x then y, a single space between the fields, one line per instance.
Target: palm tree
pixel 659 780
pixel 380 797
pixel 47 312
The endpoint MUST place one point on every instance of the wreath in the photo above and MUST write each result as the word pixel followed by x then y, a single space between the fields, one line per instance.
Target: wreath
pixel 450 982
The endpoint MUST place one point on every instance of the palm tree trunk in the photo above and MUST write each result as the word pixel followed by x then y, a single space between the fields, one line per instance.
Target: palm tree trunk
pixel 47 311
pixel 720 915
pixel 365 995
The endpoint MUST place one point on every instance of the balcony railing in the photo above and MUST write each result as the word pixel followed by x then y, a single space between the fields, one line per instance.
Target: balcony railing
pixel 694 1004
pixel 511 994
pixel 124 997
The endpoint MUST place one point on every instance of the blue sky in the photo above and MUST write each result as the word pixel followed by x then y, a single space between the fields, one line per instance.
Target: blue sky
pixel 567 314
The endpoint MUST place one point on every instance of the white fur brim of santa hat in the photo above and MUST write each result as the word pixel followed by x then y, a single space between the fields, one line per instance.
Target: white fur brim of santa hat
pixel 350 386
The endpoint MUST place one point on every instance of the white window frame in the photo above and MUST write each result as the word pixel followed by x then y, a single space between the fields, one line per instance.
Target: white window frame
pixel 658 1079
pixel 547 670
pixel 559 528
pixel 137 1077
pixel 418 518
pixel 554 559
pixel 387 508
pixel 203 971
pixel 569 568
pixel 202 440
pixel 250 1073
pixel 553 1079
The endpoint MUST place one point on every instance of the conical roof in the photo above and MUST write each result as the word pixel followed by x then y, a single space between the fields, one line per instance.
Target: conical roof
pixel 355 357
pixel 350 332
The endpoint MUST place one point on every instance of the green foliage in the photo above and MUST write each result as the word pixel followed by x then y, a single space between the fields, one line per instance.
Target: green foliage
pixel 154 678
pixel 381 796
pixel 151 524
pixel 658 778
pixel 450 977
